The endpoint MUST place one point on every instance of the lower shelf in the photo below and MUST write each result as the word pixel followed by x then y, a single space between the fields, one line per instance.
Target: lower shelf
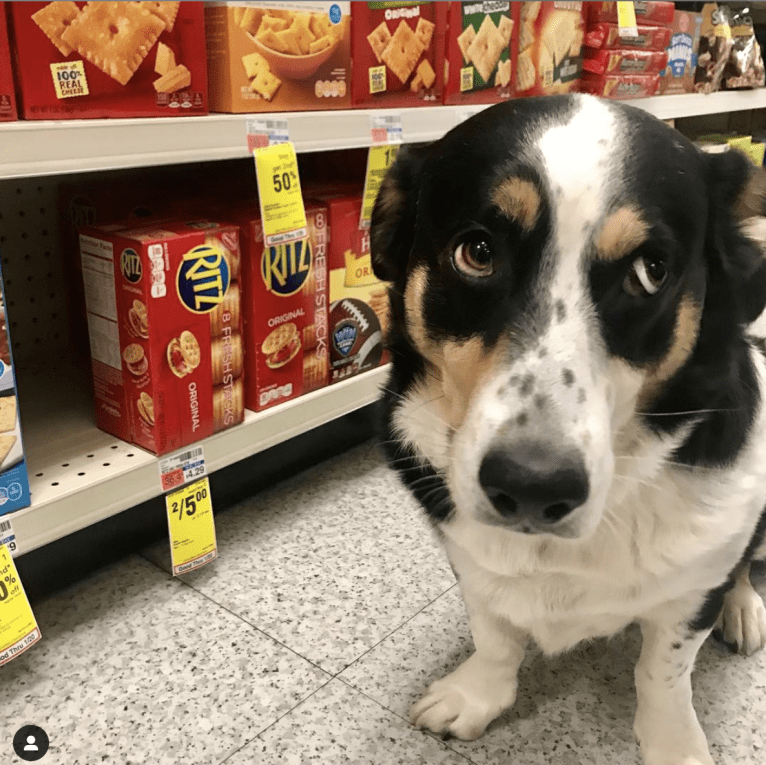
pixel 80 475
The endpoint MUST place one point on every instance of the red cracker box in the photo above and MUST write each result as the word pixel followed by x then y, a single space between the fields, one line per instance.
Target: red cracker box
pixel 358 313
pixel 482 41
pixel 7 96
pixel 165 327
pixel 620 87
pixel 110 59
pixel 646 12
pixel 398 53
pixel 624 61
pixel 284 294
pixel 604 35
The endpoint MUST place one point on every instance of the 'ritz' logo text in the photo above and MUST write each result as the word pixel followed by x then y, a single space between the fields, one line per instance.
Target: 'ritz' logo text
pixel 203 278
pixel 285 267
pixel 130 265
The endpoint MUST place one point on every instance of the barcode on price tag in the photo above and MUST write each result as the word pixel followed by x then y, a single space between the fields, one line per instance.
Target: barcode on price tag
pixel 262 133
pixel 386 128
pixel 8 537
pixel 182 467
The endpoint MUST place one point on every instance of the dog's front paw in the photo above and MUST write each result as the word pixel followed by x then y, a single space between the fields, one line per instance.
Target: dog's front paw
pixel 742 623
pixel 680 746
pixel 466 701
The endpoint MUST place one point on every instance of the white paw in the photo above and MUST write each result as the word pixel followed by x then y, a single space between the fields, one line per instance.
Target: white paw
pixel 743 620
pixel 682 743
pixel 465 701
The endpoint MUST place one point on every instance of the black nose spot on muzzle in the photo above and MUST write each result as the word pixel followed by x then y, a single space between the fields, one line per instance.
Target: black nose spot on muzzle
pixel 534 482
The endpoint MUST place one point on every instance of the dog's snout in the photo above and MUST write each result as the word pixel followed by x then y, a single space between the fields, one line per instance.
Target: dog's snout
pixel 533 484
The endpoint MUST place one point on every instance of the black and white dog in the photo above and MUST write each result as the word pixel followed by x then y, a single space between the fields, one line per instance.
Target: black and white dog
pixel 575 400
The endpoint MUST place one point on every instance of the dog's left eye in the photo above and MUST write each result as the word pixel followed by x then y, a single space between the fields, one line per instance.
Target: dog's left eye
pixel 474 257
pixel 646 277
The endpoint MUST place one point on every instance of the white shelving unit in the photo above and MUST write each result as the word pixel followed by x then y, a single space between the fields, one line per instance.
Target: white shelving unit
pixel 80 475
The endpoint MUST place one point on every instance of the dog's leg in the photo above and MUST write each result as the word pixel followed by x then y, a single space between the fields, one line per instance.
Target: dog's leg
pixel 742 623
pixel 468 699
pixel 666 725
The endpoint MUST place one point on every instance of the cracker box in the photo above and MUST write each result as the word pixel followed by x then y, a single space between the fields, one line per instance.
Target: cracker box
pixel 620 87
pixel 682 51
pixel 284 301
pixel 398 51
pixel 482 49
pixel 358 302
pixel 607 36
pixel 646 12
pixel 110 59
pixel 550 48
pixel 278 56
pixel 617 62
pixel 14 481
pixel 165 325
pixel 7 96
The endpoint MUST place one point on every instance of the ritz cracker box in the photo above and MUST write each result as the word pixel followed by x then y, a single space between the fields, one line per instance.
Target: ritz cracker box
pixel 482 51
pixel 165 327
pixel 284 301
pixel 278 56
pixel 398 52
pixel 110 59
pixel 8 110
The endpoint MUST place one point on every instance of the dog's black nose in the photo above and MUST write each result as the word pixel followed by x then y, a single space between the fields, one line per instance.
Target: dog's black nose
pixel 533 482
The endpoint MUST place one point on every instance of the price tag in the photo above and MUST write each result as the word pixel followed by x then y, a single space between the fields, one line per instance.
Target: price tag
pixel 386 128
pixel 626 19
pixel 379 160
pixel 18 627
pixel 261 133
pixel 182 467
pixel 8 537
pixel 191 527
pixel 279 190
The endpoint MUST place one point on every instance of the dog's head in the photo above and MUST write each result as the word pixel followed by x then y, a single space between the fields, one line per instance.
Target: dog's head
pixel 568 275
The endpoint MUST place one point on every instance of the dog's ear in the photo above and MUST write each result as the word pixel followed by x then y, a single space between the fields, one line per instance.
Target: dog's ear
pixel 392 227
pixel 738 221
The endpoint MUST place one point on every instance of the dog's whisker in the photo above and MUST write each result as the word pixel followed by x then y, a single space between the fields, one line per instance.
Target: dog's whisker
pixel 689 412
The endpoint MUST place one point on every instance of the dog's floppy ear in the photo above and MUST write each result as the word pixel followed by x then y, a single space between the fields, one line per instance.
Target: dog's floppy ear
pixel 738 220
pixel 392 227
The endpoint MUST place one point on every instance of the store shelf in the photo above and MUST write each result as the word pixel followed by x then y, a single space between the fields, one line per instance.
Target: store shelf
pixel 80 475
pixel 30 149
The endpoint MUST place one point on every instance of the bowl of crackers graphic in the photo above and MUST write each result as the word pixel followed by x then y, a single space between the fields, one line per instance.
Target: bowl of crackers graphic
pixel 281 346
pixel 183 354
pixel 288 44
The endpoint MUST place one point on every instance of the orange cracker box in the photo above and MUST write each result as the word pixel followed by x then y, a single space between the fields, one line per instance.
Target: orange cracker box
pixel 550 48
pixel 398 51
pixel 110 59
pixel 482 50
pixel 278 56
pixel 165 325
pixel 7 96
pixel 358 312
pixel 284 301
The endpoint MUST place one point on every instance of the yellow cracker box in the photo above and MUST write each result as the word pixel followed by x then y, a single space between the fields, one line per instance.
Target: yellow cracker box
pixel 279 56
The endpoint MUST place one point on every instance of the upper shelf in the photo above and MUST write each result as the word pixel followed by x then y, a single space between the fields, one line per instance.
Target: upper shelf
pixel 33 148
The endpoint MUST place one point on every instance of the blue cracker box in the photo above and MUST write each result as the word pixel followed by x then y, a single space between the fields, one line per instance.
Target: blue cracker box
pixel 14 481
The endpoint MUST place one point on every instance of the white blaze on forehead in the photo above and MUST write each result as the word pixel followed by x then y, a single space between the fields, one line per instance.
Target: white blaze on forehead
pixel 578 163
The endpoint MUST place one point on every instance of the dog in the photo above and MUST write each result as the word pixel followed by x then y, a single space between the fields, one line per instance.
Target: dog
pixel 575 396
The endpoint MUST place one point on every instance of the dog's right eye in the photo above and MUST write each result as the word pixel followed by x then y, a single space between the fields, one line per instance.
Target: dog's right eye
pixel 473 257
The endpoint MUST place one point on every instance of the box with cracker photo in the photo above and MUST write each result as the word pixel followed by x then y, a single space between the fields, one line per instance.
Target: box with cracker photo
pixel 647 12
pixel 481 52
pixel 358 300
pixel 165 325
pixel 14 480
pixel 550 48
pixel 278 56
pixel 110 59
pixel 682 52
pixel 620 87
pixel 607 36
pixel 8 111
pixel 284 302
pixel 398 51
pixel 624 61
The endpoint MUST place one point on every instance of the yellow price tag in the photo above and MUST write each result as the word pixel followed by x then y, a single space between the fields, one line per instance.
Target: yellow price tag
pixel 191 527
pixel 279 189
pixel 626 19
pixel 379 160
pixel 18 627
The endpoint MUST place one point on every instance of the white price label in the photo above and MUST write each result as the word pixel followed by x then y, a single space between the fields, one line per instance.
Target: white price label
pixel 182 467
pixel 386 128
pixel 262 133
pixel 8 537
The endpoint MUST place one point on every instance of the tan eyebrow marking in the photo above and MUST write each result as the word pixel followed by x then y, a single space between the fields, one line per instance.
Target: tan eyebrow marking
pixel 622 232
pixel 519 200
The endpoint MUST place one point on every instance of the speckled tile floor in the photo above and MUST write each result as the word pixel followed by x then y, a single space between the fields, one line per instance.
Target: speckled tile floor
pixel 329 611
